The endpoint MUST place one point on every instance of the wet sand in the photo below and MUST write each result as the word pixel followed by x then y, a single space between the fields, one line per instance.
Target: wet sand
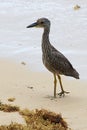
pixel 35 90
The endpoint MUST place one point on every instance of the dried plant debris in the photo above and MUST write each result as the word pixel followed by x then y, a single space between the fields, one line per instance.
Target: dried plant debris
pixel 44 120
pixel 35 120
pixel 30 87
pixel 76 7
pixel 54 118
pixel 8 108
pixel 11 99
pixel 23 63
pixel 14 126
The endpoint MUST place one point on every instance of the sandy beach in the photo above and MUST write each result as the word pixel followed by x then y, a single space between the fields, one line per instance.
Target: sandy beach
pixel 35 90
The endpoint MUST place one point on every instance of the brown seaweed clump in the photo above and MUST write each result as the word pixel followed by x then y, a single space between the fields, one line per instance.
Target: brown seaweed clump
pixel 43 120
pixel 14 126
pixel 8 108
pixel 35 120
pixel 11 99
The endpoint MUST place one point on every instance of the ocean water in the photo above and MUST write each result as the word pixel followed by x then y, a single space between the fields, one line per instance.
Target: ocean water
pixel 68 31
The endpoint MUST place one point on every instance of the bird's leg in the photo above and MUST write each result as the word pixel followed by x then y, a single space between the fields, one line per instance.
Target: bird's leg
pixel 55 82
pixel 62 90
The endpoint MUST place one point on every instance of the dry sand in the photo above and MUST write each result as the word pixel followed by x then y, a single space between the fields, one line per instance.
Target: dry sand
pixel 35 90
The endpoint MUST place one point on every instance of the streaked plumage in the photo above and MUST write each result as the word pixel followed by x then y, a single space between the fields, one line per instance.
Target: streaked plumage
pixel 54 60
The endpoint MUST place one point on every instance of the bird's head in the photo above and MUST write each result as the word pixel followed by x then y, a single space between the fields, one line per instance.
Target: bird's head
pixel 41 23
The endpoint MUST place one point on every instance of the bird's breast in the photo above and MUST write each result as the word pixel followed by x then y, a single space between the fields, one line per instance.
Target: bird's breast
pixel 47 63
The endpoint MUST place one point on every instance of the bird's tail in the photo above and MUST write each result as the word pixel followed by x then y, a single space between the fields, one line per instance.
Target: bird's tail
pixel 75 74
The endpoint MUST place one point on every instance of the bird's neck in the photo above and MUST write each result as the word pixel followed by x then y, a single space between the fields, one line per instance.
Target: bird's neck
pixel 45 40
pixel 46 35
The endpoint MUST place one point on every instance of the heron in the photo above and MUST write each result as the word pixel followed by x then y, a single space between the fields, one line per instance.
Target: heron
pixel 52 58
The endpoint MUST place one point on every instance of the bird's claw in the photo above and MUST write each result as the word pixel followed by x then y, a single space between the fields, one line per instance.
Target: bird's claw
pixel 62 93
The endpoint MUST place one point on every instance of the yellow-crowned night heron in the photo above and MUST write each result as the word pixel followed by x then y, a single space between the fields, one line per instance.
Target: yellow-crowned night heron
pixel 54 60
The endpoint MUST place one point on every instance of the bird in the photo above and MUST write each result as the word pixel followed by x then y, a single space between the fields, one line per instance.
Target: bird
pixel 52 58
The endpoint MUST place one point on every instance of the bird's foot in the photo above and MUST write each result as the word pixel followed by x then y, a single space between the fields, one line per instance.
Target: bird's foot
pixel 62 93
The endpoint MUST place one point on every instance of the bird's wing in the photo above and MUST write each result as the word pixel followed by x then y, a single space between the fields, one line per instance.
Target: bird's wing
pixel 59 61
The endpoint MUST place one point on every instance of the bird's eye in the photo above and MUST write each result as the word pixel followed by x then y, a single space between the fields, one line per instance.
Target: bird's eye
pixel 42 22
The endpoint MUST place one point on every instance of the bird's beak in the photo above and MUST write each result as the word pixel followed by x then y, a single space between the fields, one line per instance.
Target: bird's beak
pixel 32 25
